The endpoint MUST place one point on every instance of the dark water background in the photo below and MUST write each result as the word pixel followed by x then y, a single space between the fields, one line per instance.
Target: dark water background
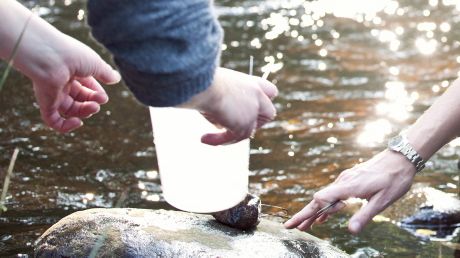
pixel 351 73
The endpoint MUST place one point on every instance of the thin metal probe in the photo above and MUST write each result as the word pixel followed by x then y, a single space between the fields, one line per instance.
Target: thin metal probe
pixel 251 64
pixel 324 210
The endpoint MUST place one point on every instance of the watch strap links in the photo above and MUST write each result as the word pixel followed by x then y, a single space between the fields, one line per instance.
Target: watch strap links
pixel 409 152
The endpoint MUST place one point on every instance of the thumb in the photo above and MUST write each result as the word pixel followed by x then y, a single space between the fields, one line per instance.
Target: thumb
pixel 227 137
pixel 219 138
pixel 365 215
pixel 99 69
pixel 106 74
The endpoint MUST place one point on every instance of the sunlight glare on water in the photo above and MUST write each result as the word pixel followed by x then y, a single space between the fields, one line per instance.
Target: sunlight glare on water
pixel 351 8
pixel 374 133
pixel 426 46
pixel 398 104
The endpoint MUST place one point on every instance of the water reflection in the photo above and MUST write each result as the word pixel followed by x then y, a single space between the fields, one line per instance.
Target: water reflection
pixel 350 73
pixel 278 24
pixel 355 9
pixel 426 46
pixel 399 101
pixel 387 36
pixel 81 15
pixel 374 133
pixel 397 106
pixel 451 3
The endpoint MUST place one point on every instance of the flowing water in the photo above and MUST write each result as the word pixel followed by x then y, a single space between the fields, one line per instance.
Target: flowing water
pixel 351 73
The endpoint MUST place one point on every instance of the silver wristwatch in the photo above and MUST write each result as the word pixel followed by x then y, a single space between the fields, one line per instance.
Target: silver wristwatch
pixel 400 144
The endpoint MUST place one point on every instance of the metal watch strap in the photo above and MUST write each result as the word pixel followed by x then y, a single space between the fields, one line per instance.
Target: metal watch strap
pixel 408 151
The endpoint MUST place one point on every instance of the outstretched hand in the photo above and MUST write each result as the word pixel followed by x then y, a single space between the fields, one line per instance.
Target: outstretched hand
pixel 239 102
pixel 64 71
pixel 381 180
pixel 72 91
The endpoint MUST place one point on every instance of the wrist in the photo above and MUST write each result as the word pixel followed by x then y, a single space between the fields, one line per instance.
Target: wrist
pixel 421 139
pixel 42 53
pixel 438 125
pixel 403 165
pixel 207 98
pixel 400 144
pixel 36 55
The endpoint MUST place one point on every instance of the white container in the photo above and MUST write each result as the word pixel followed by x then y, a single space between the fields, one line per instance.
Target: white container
pixel 197 177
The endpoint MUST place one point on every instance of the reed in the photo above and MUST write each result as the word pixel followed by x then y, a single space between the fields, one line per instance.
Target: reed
pixel 6 183
pixel 3 78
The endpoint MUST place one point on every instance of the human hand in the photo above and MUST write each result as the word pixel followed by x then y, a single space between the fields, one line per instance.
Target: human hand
pixel 236 101
pixel 381 180
pixel 63 70
pixel 70 91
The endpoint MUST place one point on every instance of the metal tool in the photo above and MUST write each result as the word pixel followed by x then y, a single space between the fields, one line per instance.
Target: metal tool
pixel 324 210
pixel 251 65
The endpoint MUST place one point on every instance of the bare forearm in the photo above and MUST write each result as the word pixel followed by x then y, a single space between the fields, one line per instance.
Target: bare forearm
pixel 33 47
pixel 439 124
pixel 14 17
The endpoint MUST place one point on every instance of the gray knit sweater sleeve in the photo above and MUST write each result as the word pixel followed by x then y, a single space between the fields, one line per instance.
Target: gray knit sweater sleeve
pixel 166 50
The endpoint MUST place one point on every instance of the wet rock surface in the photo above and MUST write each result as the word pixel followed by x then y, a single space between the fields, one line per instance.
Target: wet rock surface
pixel 424 205
pixel 425 212
pixel 162 233
pixel 427 216
pixel 245 215
pixel 435 214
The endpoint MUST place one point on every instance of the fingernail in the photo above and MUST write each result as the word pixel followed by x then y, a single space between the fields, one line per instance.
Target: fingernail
pixel 355 227
pixel 117 75
pixel 287 224
pixel 341 205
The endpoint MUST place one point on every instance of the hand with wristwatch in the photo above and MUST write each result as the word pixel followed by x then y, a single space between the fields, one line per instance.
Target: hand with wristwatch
pixel 387 176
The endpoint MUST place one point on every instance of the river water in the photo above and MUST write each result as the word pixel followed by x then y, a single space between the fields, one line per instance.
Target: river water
pixel 351 73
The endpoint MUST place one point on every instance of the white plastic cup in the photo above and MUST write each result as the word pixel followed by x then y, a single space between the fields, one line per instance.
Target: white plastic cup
pixel 197 177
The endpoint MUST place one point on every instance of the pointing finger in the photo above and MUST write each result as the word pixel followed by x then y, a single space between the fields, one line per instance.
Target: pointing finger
pixel 303 215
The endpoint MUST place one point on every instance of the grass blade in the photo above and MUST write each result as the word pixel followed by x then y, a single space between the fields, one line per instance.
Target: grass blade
pixel 7 180
pixel 13 54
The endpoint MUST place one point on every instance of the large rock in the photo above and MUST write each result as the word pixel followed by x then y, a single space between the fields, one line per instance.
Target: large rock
pixel 162 233
pixel 423 211
pixel 427 212
pixel 424 205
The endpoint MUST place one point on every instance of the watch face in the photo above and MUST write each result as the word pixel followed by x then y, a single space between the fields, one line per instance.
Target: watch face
pixel 395 142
